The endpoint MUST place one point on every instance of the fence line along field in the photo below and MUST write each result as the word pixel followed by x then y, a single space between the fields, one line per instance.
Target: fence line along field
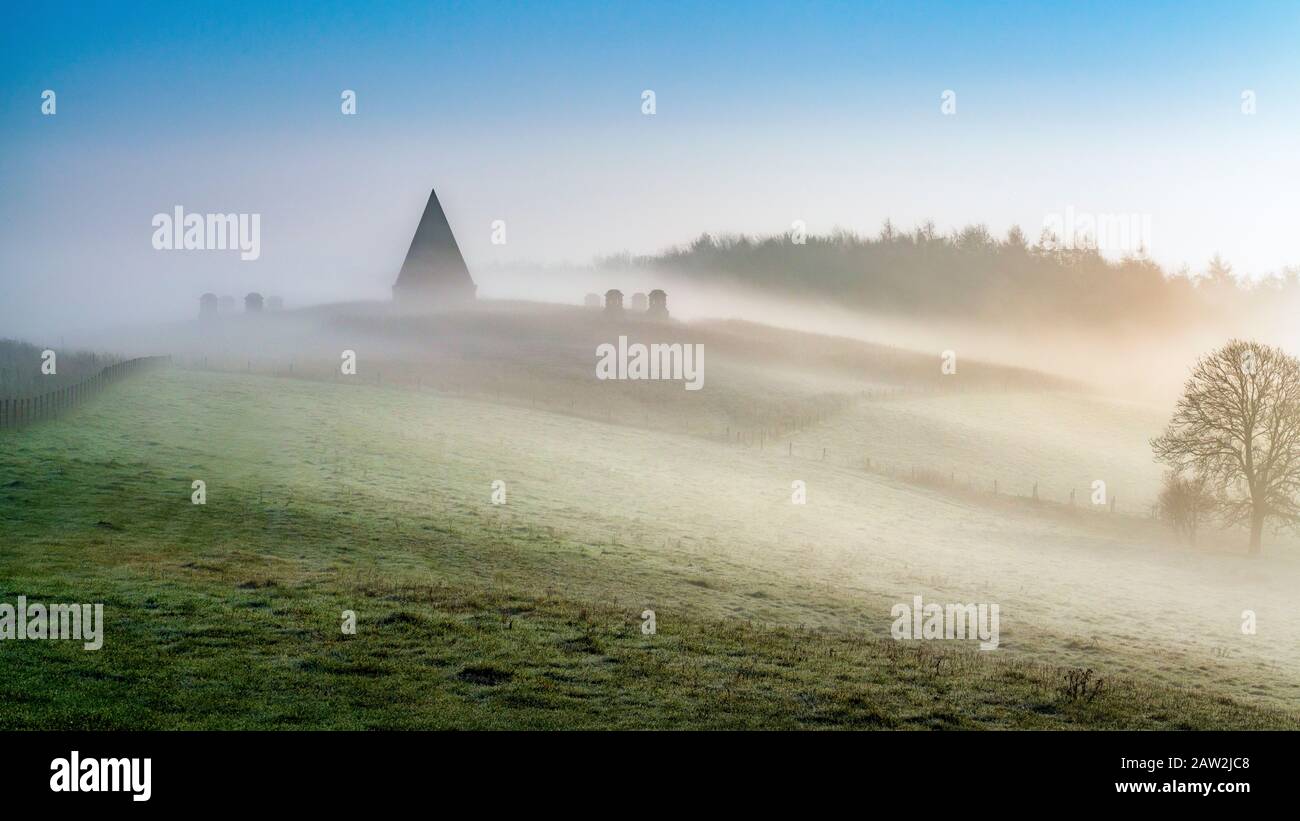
pixel 55 400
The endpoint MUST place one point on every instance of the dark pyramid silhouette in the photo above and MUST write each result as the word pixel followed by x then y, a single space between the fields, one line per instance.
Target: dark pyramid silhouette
pixel 434 272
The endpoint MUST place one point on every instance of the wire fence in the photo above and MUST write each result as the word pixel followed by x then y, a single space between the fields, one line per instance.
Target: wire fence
pixel 17 412
pixel 1085 498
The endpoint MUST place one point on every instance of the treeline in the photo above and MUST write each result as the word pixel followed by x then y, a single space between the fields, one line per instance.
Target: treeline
pixel 21 375
pixel 963 273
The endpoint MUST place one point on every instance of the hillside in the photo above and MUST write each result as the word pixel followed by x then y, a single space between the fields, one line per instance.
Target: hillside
pixel 328 496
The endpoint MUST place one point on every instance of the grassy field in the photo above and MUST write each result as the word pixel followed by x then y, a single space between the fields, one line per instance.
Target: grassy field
pixel 1059 441
pixel 325 497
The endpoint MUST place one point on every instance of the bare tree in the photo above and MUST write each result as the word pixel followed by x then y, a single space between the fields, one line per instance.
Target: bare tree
pixel 1186 501
pixel 1238 425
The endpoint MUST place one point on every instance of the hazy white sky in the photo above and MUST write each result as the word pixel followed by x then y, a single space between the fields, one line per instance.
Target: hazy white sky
pixel 828 114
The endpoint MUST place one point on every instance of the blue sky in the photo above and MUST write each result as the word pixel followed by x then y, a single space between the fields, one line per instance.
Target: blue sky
pixel 531 113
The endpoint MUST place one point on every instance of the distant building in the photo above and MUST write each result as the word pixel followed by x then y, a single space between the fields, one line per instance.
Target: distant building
pixel 274 303
pixel 638 302
pixel 208 306
pixel 227 304
pixel 253 303
pixel 613 302
pixel 434 274
pixel 592 301
pixel 658 305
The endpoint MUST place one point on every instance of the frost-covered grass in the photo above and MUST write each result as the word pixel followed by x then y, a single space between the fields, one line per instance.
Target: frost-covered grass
pixel 325 497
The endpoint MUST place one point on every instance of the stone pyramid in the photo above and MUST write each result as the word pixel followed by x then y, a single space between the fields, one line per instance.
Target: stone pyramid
pixel 434 273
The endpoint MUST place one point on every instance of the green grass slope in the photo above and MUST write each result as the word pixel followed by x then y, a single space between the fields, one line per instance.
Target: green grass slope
pixel 331 497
